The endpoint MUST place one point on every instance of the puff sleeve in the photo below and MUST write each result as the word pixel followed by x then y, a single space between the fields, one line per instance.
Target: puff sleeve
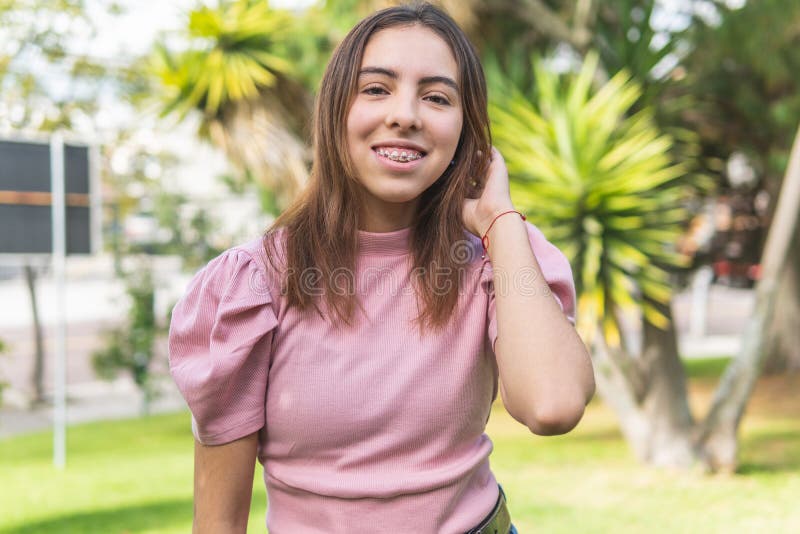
pixel 219 347
pixel 556 270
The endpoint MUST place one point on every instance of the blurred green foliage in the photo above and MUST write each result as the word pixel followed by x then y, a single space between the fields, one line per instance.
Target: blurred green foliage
pixel 130 347
pixel 744 75
pixel 238 47
pixel 600 184
pixel 248 71
pixel 242 51
pixel 45 85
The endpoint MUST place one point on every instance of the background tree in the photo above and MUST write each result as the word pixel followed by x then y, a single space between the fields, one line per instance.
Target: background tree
pixel 718 433
pixel 711 78
pixel 602 186
pixel 37 376
pixel 243 71
pixel 48 83
pixel 747 90
pixel 45 83
pixel 45 86
pixel 553 146
pixel 131 346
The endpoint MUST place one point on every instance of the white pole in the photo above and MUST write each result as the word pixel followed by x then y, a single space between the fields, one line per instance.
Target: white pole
pixel 701 287
pixel 59 274
pixel 96 200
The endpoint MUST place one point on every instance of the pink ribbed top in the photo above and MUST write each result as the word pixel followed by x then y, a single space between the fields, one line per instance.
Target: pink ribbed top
pixel 369 428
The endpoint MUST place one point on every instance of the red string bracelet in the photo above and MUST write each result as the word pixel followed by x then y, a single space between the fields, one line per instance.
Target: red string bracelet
pixel 485 238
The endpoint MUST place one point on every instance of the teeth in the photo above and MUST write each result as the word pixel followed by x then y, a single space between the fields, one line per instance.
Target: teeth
pixel 395 155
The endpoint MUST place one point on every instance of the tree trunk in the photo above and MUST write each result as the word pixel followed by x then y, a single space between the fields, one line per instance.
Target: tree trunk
pixel 37 377
pixel 147 401
pixel 652 402
pixel 548 22
pixel 258 139
pixel 718 433
pixel 648 395
pixel 617 392
pixel 783 338
pixel 666 402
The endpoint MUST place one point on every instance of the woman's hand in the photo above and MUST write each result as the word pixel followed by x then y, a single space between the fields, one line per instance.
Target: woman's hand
pixel 495 196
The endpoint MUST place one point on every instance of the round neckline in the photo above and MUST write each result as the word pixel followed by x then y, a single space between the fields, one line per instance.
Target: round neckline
pixel 395 242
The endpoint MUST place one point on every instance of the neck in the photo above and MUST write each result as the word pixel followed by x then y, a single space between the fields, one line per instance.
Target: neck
pixel 388 217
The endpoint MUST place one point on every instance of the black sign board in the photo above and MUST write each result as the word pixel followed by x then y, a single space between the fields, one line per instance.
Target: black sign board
pixel 26 216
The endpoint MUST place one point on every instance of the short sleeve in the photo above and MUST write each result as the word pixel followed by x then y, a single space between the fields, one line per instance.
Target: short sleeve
pixel 219 347
pixel 556 270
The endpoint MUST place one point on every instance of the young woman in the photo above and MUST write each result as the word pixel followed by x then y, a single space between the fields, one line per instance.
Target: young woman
pixel 355 349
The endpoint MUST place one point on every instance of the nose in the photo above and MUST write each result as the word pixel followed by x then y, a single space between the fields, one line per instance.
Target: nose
pixel 403 113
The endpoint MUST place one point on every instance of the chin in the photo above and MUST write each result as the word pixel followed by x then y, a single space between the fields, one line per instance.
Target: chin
pixel 397 195
pixel 398 198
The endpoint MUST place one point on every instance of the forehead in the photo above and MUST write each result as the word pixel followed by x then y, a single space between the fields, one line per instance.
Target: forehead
pixel 411 50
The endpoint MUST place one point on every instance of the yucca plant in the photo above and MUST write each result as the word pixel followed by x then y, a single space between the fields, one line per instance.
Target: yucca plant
pixel 598 179
pixel 601 185
pixel 239 72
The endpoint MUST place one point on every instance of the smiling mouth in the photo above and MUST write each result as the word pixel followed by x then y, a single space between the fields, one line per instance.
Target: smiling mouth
pixel 399 155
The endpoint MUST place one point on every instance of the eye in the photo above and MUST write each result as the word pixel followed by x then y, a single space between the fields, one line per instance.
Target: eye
pixel 374 90
pixel 438 99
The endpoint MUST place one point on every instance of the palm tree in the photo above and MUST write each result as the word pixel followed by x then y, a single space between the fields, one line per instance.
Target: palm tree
pixel 238 73
pixel 601 184
pixel 495 24
pixel 345 13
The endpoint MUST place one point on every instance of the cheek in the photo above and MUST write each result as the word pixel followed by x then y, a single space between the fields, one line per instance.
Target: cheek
pixel 352 137
pixel 359 122
pixel 352 125
pixel 449 132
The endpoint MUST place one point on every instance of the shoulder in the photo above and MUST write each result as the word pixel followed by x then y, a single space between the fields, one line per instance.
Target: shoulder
pixel 250 254
pixel 554 265
pixel 261 253
pixel 545 251
pixel 241 273
pixel 235 262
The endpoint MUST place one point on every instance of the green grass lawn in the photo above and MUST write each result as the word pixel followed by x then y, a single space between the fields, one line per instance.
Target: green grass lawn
pixel 135 476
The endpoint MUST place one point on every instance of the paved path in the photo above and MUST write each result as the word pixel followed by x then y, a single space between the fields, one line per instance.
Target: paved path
pixel 92 401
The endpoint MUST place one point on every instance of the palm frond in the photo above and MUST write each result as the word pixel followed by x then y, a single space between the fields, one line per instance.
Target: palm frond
pixel 600 182
pixel 236 51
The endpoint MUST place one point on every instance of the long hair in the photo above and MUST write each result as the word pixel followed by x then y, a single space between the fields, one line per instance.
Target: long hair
pixel 320 229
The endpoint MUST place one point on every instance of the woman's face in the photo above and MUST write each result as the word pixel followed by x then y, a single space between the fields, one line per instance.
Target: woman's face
pixel 404 123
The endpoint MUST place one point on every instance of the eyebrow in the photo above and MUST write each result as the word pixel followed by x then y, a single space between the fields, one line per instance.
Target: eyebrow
pixel 423 81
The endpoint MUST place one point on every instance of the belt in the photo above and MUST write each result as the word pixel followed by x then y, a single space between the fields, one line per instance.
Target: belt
pixel 498 521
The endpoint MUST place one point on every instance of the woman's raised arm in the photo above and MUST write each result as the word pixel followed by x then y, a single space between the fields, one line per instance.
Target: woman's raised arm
pixel 546 374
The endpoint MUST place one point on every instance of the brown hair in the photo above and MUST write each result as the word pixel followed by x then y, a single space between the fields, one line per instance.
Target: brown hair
pixel 320 228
